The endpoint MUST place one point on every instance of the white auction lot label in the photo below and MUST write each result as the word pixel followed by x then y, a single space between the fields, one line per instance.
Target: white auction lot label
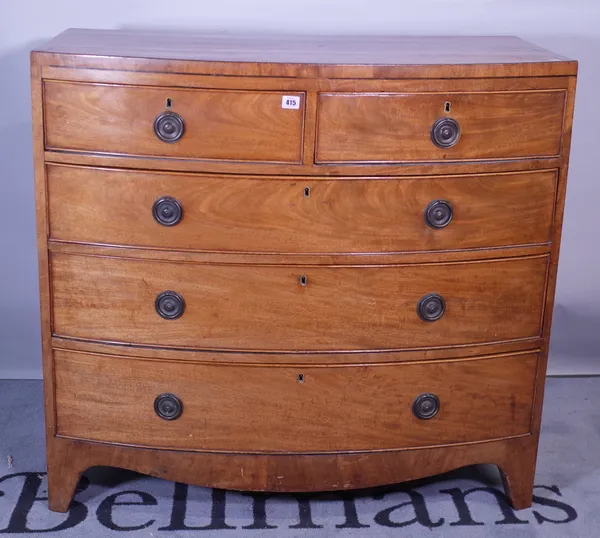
pixel 290 101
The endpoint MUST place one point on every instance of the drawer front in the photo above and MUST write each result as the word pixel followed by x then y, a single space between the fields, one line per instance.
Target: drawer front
pixel 254 408
pixel 391 127
pixel 308 216
pixel 296 308
pixel 217 124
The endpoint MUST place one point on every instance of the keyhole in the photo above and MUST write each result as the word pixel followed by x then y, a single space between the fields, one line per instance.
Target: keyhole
pixel 300 378
pixel 303 280
pixel 447 106
pixel 168 103
pixel 306 192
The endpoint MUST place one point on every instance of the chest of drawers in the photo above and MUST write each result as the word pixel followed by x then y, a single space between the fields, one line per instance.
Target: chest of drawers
pixel 296 264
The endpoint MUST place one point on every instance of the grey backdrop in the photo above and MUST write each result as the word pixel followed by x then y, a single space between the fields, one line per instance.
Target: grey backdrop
pixel 569 27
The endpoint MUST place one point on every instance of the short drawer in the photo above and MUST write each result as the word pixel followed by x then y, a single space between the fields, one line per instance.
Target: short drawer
pixel 130 120
pixel 396 127
pixel 254 307
pixel 219 213
pixel 292 409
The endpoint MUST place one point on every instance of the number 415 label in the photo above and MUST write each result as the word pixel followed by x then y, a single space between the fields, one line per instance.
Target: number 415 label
pixel 290 101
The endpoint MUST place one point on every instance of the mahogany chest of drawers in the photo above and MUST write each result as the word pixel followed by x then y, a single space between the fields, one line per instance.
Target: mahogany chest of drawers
pixel 296 264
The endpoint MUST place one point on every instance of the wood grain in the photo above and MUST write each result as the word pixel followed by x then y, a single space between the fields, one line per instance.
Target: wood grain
pixel 115 75
pixel 389 127
pixel 552 278
pixel 360 141
pixel 290 169
pixel 343 408
pixel 305 56
pixel 267 308
pixel 262 258
pixel 229 125
pixel 283 473
pixel 42 229
pixel 222 213
pixel 298 357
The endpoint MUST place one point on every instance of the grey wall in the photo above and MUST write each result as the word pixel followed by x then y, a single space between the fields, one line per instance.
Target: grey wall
pixel 569 27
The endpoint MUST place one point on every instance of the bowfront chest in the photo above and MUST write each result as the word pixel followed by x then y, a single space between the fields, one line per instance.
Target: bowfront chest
pixel 294 263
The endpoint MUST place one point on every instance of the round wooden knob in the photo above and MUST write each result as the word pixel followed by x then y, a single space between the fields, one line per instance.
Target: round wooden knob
pixel 445 132
pixel 167 211
pixel 438 214
pixel 169 305
pixel 431 307
pixel 169 127
pixel 426 406
pixel 168 406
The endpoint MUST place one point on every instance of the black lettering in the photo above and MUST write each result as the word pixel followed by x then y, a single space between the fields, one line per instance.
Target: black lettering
pixel 567 509
pixel 464 514
pixel 305 514
pixel 179 511
pixel 352 521
pixel 105 510
pixel 417 501
pixel 259 512
pixel 17 523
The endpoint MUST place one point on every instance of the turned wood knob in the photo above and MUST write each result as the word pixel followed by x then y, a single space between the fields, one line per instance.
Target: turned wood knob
pixel 445 132
pixel 167 211
pixel 426 406
pixel 438 214
pixel 431 307
pixel 169 305
pixel 168 406
pixel 169 127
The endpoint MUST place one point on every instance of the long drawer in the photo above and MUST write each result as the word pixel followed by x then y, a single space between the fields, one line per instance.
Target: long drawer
pixel 193 123
pixel 294 409
pixel 395 127
pixel 224 213
pixel 293 308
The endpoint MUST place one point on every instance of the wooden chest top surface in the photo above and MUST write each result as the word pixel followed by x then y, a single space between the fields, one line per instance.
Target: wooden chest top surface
pixel 332 56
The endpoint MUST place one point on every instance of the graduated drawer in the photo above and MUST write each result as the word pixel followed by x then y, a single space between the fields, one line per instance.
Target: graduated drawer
pixel 292 409
pixel 388 127
pixel 261 307
pixel 217 124
pixel 221 213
